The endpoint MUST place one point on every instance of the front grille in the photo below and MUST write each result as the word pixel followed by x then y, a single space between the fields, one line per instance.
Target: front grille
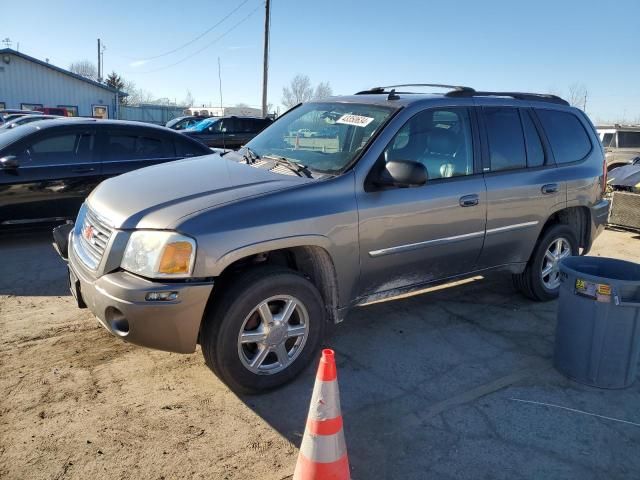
pixel 92 238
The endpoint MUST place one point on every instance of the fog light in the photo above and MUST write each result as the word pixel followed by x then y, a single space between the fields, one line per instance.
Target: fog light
pixel 161 296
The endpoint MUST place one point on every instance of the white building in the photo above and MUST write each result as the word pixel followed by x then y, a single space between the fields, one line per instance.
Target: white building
pixel 224 111
pixel 28 83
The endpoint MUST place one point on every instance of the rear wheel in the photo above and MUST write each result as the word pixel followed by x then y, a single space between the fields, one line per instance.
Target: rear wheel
pixel 540 280
pixel 266 327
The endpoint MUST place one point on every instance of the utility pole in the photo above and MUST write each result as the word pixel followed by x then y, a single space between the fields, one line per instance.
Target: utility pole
pixel 265 67
pixel 99 69
pixel 584 106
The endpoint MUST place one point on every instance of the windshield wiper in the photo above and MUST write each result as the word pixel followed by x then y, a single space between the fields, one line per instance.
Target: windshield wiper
pixel 250 156
pixel 297 168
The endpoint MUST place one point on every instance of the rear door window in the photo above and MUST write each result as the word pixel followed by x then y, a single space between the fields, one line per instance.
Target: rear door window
pixel 506 139
pixel 568 138
pixel 126 146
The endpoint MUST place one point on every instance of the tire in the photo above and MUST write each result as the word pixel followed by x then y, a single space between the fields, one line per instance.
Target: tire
pixel 531 282
pixel 236 310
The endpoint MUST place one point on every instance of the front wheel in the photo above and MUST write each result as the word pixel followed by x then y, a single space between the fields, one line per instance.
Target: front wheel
pixel 540 280
pixel 266 327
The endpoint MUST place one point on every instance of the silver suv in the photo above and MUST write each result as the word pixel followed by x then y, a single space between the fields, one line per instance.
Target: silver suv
pixel 250 253
pixel 621 144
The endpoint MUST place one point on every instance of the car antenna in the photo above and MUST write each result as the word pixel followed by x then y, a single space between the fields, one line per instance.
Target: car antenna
pixel 224 145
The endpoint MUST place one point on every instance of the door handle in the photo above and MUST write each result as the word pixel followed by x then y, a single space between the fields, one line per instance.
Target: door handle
pixel 469 200
pixel 550 188
pixel 83 170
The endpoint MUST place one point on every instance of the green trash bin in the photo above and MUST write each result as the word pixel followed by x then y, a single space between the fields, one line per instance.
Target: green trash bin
pixel 598 329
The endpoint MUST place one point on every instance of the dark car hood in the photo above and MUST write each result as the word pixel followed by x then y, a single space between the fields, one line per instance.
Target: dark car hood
pixel 157 197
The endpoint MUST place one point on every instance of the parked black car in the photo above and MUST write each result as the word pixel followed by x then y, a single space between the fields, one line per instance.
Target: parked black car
pixel 227 132
pixel 180 123
pixel 48 168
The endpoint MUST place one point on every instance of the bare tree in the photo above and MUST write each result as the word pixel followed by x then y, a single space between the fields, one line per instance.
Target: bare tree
pixel 135 95
pixel 242 105
pixel 577 96
pixel 299 90
pixel 188 99
pixel 323 90
pixel 85 68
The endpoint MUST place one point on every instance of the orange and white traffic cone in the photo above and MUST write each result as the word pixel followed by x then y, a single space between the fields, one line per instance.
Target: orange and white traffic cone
pixel 323 453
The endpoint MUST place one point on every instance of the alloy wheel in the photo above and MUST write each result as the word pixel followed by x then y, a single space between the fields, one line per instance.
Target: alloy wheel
pixel 550 270
pixel 273 335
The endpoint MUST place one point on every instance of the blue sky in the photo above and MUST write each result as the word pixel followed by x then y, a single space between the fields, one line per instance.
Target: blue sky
pixel 494 45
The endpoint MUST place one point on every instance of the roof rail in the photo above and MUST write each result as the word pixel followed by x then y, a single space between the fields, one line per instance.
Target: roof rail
pixel 374 90
pixel 536 97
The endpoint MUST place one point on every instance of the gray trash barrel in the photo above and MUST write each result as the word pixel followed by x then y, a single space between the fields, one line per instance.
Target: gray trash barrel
pixel 598 329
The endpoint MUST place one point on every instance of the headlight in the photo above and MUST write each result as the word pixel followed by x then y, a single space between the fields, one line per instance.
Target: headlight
pixel 156 254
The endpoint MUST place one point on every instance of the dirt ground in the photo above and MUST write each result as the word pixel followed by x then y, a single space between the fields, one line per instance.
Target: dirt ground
pixel 79 403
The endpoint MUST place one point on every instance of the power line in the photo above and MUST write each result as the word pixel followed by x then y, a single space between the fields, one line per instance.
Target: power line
pixel 203 48
pixel 164 54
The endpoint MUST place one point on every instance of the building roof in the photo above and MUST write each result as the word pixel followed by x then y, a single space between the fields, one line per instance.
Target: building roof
pixel 10 51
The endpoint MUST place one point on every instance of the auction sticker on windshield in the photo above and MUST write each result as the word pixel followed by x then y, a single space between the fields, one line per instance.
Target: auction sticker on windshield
pixel 356 120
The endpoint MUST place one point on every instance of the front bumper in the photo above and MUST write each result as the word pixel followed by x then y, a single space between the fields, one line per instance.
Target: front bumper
pixel 118 300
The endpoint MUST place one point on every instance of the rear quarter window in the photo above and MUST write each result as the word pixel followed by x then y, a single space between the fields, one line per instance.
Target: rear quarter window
pixel 567 136
pixel 629 139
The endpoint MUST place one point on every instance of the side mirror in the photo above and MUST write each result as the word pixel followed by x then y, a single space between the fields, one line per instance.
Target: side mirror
pixel 403 173
pixel 10 162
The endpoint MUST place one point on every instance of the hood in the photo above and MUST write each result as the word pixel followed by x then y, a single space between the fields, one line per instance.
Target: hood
pixel 157 197
pixel 627 176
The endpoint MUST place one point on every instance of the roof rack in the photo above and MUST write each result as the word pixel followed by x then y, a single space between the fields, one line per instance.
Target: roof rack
pixel 379 90
pixel 536 97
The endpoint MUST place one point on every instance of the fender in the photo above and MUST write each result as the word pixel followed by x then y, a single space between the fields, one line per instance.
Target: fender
pixel 268 245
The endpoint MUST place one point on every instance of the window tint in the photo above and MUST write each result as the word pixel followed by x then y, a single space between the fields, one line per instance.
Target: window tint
pixel 439 139
pixel 628 139
pixel 134 147
pixel 185 148
pixel 535 151
pixel 506 142
pixel 606 139
pixel 59 144
pixel 61 149
pixel 568 138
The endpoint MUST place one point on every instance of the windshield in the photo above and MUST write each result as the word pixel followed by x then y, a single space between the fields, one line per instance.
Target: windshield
pixel 202 125
pixel 325 137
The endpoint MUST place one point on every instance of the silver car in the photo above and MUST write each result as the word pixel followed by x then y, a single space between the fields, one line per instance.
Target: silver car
pixel 251 253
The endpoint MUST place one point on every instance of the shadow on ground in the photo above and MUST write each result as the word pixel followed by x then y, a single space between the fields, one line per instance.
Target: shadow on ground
pixel 430 388
pixel 31 267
